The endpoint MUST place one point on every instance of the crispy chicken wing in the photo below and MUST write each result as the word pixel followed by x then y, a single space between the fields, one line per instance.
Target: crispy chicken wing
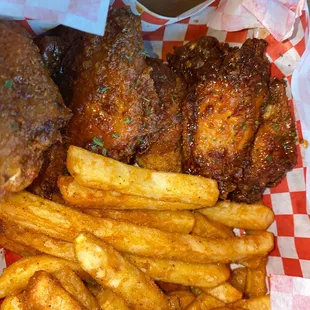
pixel 31 108
pixel 274 150
pixel 164 153
pixel 222 115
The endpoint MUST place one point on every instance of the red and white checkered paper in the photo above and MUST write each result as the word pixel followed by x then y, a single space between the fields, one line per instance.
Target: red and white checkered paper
pixel 288 200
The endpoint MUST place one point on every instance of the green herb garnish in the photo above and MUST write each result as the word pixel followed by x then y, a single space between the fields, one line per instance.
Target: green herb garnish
pixel 104 89
pixel 94 148
pixel 276 127
pixel 244 127
pixel 269 158
pixel 127 120
pixel 148 111
pixel 145 53
pixel 128 58
pixel 115 135
pixel 8 83
pixel 15 126
pixel 257 122
pixel 104 152
pixel 293 134
pixel 98 141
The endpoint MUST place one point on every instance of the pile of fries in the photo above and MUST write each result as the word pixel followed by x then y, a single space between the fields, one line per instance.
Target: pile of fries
pixel 132 238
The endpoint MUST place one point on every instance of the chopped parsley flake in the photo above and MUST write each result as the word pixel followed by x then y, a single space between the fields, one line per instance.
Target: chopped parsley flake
pixel 94 148
pixel 179 115
pixel 127 120
pixel 140 139
pixel 244 127
pixel 191 138
pixel 131 86
pixel 269 158
pixel 145 53
pixel 128 58
pixel 257 122
pixel 293 134
pixel 15 126
pixel 276 127
pixel 115 135
pixel 281 55
pixel 8 83
pixel 103 89
pixel 98 141
pixel 148 111
pixel 104 152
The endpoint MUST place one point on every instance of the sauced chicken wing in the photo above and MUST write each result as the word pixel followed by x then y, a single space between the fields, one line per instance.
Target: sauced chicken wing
pixel 31 108
pixel 274 150
pixel 222 116
pixel 164 153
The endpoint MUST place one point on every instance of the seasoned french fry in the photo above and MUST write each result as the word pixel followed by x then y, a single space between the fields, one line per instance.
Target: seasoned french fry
pixel 238 278
pixel 252 262
pixel 15 277
pixel 228 308
pixel 172 221
pixel 15 302
pixel 258 303
pixel 256 281
pixel 205 228
pixel 101 172
pixel 44 292
pixel 76 287
pixel 15 247
pixel 240 215
pixel 180 299
pixel 108 300
pixel 225 293
pixel 85 197
pixel 205 275
pixel 61 222
pixel 39 242
pixel 110 269
pixel 168 287
pixel 206 302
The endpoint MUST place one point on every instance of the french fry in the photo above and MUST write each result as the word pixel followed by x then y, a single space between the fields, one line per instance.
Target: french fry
pixel 205 275
pixel 180 299
pixel 256 281
pixel 252 262
pixel 224 292
pixel 104 173
pixel 228 308
pixel 108 300
pixel 110 269
pixel 238 278
pixel 205 228
pixel 168 287
pixel 208 275
pixel 15 302
pixel 240 215
pixel 15 277
pixel 85 197
pixel 206 302
pixel 172 221
pixel 258 303
pixel 76 287
pixel 44 292
pixel 15 247
pixel 61 222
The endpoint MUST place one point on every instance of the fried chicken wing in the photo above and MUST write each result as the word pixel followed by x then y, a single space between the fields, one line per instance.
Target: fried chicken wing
pixel 222 116
pixel 164 154
pixel 274 151
pixel 31 108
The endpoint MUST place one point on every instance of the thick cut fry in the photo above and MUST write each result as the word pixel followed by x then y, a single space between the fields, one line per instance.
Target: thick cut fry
pixel 101 172
pixel 108 300
pixel 256 281
pixel 40 242
pixel 172 221
pixel 205 302
pixel 76 287
pixel 84 197
pixel 110 269
pixel 14 303
pixel 238 278
pixel 252 262
pixel 180 299
pixel 15 247
pixel 45 292
pixel 15 277
pixel 205 228
pixel 61 222
pixel 225 293
pixel 258 303
pixel 228 308
pixel 204 275
pixel 240 215
pixel 207 275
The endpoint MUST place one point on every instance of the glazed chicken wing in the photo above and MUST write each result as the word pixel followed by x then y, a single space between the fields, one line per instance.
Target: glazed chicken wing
pixel 222 116
pixel 31 108
pixel 274 150
pixel 164 154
